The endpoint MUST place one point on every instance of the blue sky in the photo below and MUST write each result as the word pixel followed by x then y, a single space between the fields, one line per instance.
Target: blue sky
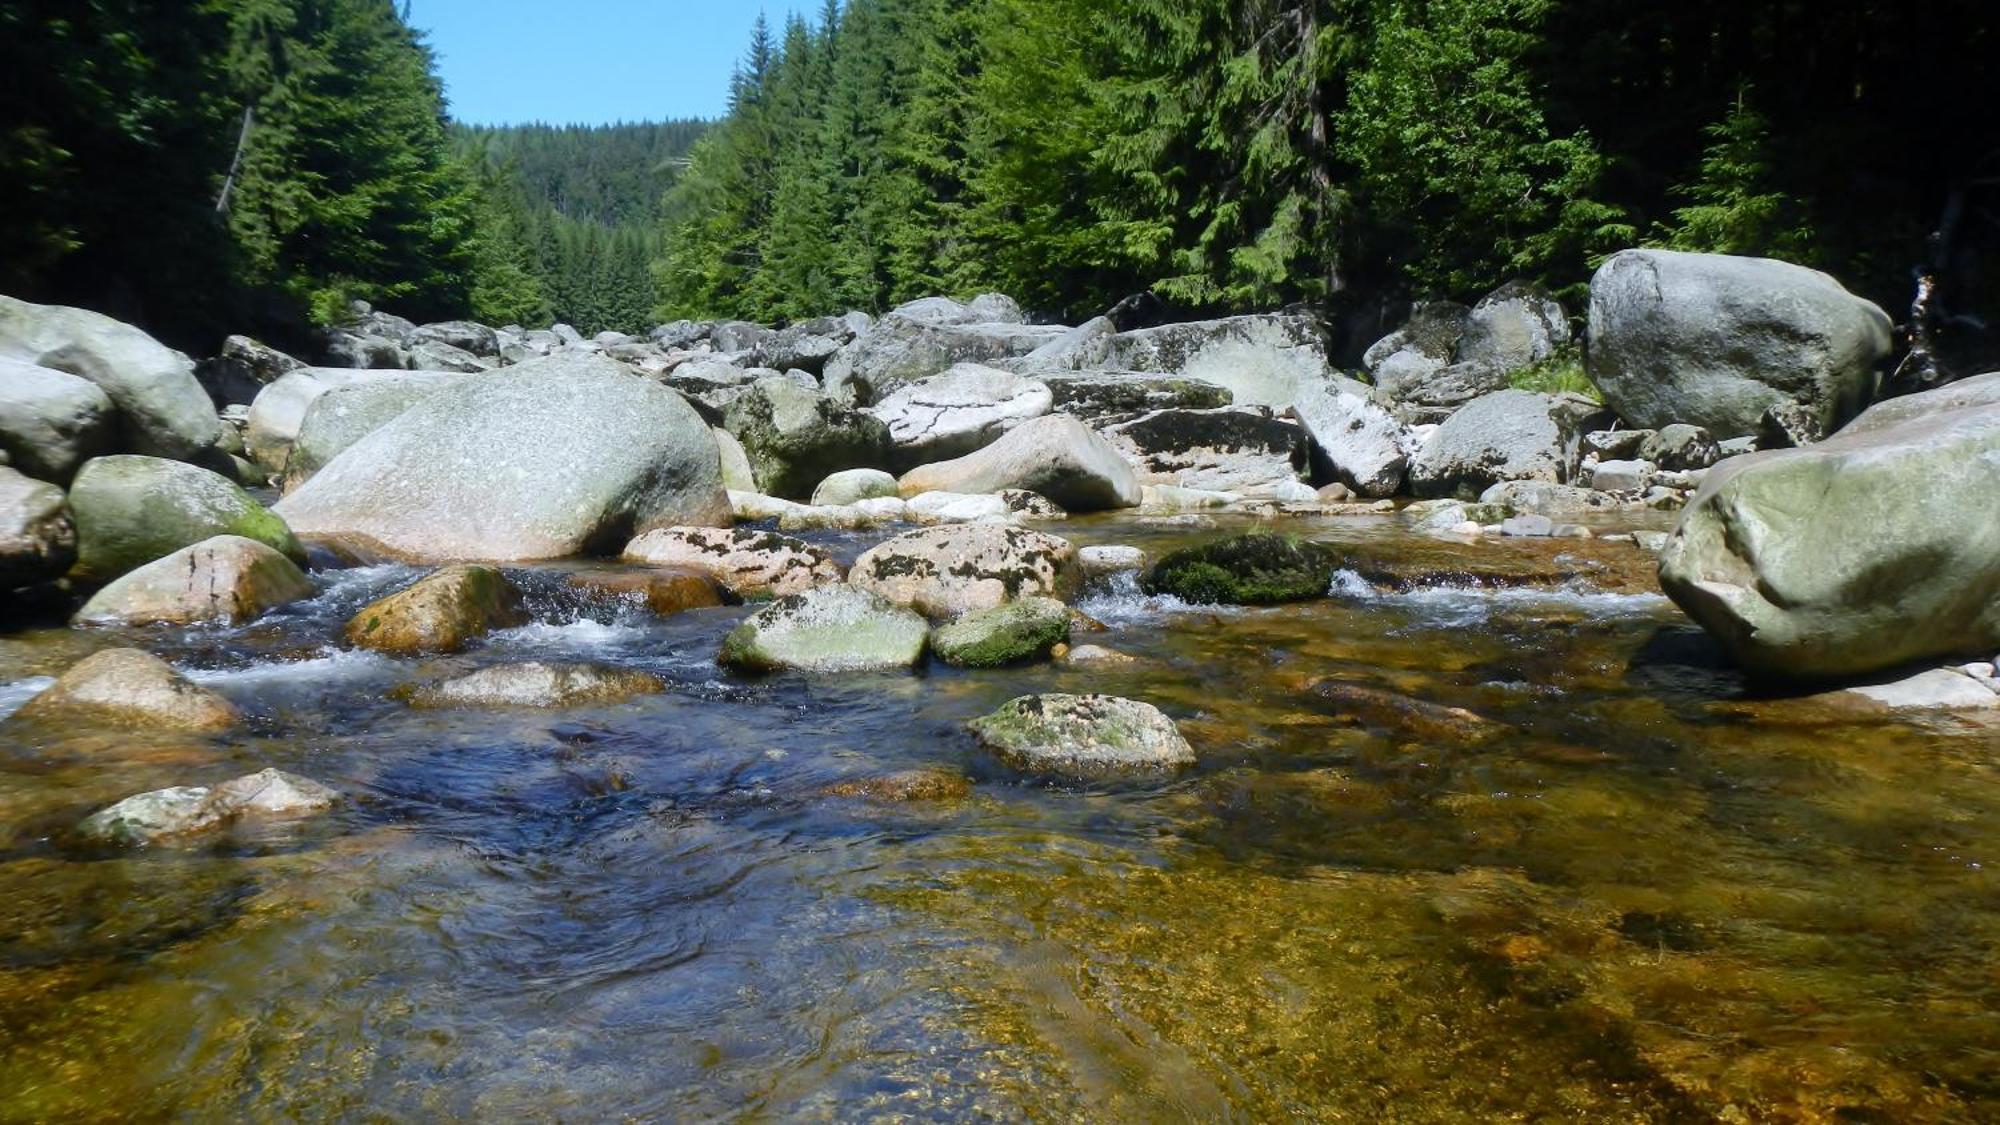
pixel 590 61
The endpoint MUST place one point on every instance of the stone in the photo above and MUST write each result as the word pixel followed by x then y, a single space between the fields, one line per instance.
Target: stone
pixel 444 611
pixel 1056 456
pixel 1622 476
pixel 164 815
pixel 433 356
pixel 1512 328
pixel 1508 435
pixel 1162 499
pixel 547 459
pixel 1717 341
pixel 130 510
pixel 1031 505
pixel 851 485
pixel 752 506
pixel 1100 397
pixel 128 688
pixel 1405 716
pixel 1095 656
pixel 959 411
pixel 1260 359
pixel 1107 560
pixel 829 629
pixel 833 517
pixel 1086 346
pixel 1233 449
pixel 226 580
pixel 242 369
pixel 344 413
pixel 37 533
pixel 362 351
pixel 1540 498
pixel 466 336
pixel 806 346
pixel 747 563
pixel 737 475
pixel 1083 735
pixel 1681 448
pixel 796 437
pixel 1260 568
pixel 1355 441
pixel 162 409
pixel 1424 346
pixel 910 344
pixel 931 508
pixel 665 590
pixel 51 421
pixel 1616 445
pixel 539 685
pixel 1872 549
pixel 1527 527
pixel 905 786
pixel 948 571
pixel 279 410
pixel 1936 689
pixel 1015 633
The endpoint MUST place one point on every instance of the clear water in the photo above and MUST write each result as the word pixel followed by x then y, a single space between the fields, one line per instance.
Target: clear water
pixel 1639 893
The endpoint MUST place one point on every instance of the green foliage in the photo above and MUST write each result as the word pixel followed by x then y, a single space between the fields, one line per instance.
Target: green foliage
pixel 1733 207
pixel 1561 373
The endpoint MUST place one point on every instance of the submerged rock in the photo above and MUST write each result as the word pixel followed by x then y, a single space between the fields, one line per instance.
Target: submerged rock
pixel 182 811
pixel 1718 341
pixel 953 570
pixel 665 590
pixel 830 629
pixel 1014 633
pixel 796 437
pixel 37 533
pixel 131 510
pixel 1872 549
pixel 227 579
pixel 905 786
pixel 1083 735
pixel 1939 689
pixel 1259 568
pixel 555 457
pixel 441 612
pixel 130 688
pixel 1056 456
pixel 1404 715
pixel 537 684
pixel 52 421
pixel 747 563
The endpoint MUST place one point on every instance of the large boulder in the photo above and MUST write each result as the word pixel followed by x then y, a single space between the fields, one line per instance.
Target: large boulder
pixel 1354 440
pixel 747 563
pixel 1516 326
pixel 1718 341
pixel 830 629
pixel 1261 359
pixel 1509 435
pixel 162 409
pixel 951 570
pixel 52 421
pixel 227 579
pixel 272 425
pixel 345 413
pixel 464 335
pixel 1100 397
pixel 851 486
pixel 1009 634
pixel 924 338
pixel 1448 355
pixel 1873 548
pixel 959 411
pixel 537 685
pixel 1083 735
pixel 131 510
pixel 441 612
pixel 1415 354
pixel 796 437
pixel 242 369
pixel 131 688
pixel 189 811
pixel 1234 449
pixel 560 456
pixel 1056 456
pixel 37 534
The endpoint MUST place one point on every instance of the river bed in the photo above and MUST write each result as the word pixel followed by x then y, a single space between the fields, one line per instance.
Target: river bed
pixel 1640 891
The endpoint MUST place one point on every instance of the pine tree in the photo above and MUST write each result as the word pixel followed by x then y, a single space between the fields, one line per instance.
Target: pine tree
pixel 1733 208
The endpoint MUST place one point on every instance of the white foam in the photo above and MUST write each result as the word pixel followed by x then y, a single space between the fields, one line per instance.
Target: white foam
pixel 20 691
pixel 333 664
pixel 1472 604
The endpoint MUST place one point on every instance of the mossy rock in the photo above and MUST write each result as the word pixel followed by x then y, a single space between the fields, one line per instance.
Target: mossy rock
pixel 1010 634
pixel 442 612
pixel 131 510
pixel 1259 568
pixel 1083 735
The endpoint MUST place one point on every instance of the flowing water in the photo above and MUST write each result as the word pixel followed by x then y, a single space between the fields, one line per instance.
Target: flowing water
pixel 1635 891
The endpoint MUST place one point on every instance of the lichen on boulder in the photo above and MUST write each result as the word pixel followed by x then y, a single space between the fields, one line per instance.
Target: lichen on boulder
pixel 1083 735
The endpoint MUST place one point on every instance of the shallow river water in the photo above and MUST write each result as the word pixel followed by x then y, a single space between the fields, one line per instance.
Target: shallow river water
pixel 1637 893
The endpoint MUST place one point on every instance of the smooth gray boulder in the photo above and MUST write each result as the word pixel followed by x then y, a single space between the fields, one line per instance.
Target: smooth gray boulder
pixel 737 475
pixel 961 410
pixel 272 425
pixel 1516 326
pixel 1242 449
pixel 1056 456
pixel 162 409
pixel 1718 341
pixel 1681 447
pixel 829 629
pixel 1541 498
pixel 227 579
pixel 853 485
pixel 796 437
pixel 1876 547
pixel 567 455
pixel 37 535
pixel 242 369
pixel 184 811
pixel 1418 351
pixel 1260 359
pixel 52 421
pixel 131 510
pixel 1083 735
pixel 1508 435
pixel 1014 633
pixel 343 414
pixel 433 356
pixel 1354 440
pixel 901 349
pixel 464 335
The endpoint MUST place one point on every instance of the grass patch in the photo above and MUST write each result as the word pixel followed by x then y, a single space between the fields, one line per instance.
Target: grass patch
pixel 1559 374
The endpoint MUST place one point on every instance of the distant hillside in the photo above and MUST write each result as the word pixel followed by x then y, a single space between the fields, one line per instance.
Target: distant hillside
pixel 572 217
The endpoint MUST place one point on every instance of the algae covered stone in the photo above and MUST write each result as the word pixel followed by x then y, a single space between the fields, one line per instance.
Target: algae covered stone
pixel 130 510
pixel 441 612
pixel 1083 735
pixel 830 629
pixel 1010 634
pixel 1260 568
pixel 131 688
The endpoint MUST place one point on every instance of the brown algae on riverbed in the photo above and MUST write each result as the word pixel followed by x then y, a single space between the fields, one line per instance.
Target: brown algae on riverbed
pixel 1642 895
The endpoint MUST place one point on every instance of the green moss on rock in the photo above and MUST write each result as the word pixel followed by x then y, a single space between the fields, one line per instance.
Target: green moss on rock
pixel 1259 568
pixel 1010 634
